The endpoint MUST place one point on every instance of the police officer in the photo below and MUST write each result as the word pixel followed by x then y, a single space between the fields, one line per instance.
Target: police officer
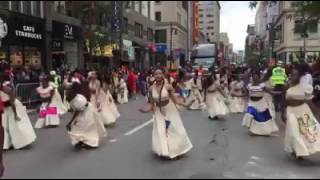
pixel 279 79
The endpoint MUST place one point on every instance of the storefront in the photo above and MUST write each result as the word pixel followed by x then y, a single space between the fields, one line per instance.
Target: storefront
pixel 66 44
pixel 22 39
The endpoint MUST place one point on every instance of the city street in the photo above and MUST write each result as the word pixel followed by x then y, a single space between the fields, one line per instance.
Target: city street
pixel 222 149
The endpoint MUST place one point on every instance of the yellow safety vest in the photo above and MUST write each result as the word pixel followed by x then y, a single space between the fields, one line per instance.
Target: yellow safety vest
pixel 279 76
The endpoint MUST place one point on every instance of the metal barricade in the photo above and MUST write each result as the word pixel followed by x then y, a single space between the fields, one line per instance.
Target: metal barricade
pixel 27 93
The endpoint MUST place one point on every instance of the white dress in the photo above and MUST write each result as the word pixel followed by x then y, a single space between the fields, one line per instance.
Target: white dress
pixel 67 85
pixel 258 118
pixel 17 134
pixel 169 137
pixel 57 100
pixel 302 131
pixel 87 128
pixel 237 104
pixel 215 101
pixel 49 115
pixel 196 96
pixel 269 98
pixel 110 110
pixel 123 92
pixel 103 103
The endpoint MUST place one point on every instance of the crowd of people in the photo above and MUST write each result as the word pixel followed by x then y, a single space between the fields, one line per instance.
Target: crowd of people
pixel 93 98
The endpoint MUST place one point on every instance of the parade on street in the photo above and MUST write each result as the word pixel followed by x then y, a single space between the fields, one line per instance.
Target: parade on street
pixel 202 90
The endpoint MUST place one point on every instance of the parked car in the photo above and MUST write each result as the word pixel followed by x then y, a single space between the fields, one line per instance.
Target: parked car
pixel 316 82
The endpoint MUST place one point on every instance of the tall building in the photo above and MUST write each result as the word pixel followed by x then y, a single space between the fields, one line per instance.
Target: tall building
pixel 209 20
pixel 171 35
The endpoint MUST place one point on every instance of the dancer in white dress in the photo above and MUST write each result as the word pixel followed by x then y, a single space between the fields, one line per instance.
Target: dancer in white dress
pixel 111 110
pixel 302 137
pixel 100 100
pixel 67 83
pixel 18 130
pixel 258 118
pixel 195 94
pixel 122 92
pixel 237 101
pixel 169 137
pixel 57 100
pixel 85 128
pixel 48 116
pixel 215 98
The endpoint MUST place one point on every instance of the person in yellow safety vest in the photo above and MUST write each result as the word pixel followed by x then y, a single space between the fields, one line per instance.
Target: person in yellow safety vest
pixel 56 78
pixel 279 76
pixel 279 79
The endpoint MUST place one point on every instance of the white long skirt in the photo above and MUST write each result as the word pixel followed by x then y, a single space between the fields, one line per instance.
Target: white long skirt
pixel 123 97
pixel 237 104
pixel 17 134
pixel 87 128
pixel 109 113
pixel 198 100
pixel 174 141
pixel 57 100
pixel 216 105
pixel 259 128
pixel 48 120
pixel 302 131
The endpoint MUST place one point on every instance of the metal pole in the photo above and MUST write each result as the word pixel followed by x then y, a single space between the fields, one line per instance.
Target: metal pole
pixel 171 53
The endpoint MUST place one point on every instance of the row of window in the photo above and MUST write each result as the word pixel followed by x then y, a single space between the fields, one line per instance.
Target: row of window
pixel 138 31
pixel 32 8
pixel 209 22
pixel 208 15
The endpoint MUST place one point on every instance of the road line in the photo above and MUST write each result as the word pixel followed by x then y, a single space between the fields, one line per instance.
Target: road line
pixel 138 128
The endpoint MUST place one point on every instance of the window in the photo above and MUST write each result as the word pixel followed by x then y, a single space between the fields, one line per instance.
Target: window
pixel 311 27
pixel 150 34
pixel 125 25
pixel 138 30
pixel 212 34
pixel 200 10
pixel 158 16
pixel 179 18
pixel 161 36
pixel 16 6
pixel 201 15
pixel 201 22
pixel 210 27
pixel 210 15
pixel 27 7
pixel 4 4
pixel 210 22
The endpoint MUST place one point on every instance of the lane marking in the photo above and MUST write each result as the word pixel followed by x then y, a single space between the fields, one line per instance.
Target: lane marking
pixel 138 128
pixel 113 140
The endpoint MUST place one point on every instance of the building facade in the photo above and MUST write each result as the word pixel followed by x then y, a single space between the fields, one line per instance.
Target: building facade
pixel 289 45
pixel 209 19
pixel 171 32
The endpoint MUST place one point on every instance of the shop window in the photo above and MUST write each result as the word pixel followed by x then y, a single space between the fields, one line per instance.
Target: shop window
pixel 32 57
pixel 16 58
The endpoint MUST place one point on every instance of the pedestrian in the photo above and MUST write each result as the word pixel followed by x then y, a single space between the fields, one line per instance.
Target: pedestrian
pixel 48 114
pixel 258 118
pixel 57 99
pixel 215 97
pixel 122 91
pixel 306 78
pixel 302 129
pixel 67 83
pixel 18 130
pixel 169 137
pixel 85 128
pixel 237 93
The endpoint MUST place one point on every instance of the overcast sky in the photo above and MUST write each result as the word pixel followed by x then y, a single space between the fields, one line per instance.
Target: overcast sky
pixel 234 19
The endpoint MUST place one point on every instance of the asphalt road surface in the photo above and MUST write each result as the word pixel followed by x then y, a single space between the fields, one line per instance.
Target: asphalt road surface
pixel 222 149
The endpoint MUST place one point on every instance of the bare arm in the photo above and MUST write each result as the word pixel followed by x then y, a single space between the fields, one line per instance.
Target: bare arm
pixel 175 99
pixel 150 105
